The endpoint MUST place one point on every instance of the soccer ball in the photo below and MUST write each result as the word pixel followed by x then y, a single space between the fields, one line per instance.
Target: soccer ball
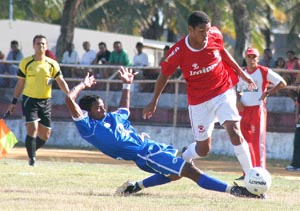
pixel 258 180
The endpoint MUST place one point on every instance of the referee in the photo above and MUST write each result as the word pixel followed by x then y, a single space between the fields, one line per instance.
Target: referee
pixel 35 76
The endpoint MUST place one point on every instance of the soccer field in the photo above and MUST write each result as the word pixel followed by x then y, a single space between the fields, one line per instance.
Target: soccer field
pixel 78 180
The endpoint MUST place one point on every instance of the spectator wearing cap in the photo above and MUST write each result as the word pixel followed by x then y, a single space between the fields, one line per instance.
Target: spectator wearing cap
pixel 252 105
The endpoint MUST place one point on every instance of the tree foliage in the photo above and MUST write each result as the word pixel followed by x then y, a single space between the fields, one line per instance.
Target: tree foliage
pixel 166 19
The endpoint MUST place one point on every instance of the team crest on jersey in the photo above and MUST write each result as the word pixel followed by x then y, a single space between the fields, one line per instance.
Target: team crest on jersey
pixel 107 125
pixel 195 66
pixel 201 128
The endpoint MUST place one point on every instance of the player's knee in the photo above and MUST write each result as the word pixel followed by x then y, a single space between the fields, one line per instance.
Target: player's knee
pixel 202 150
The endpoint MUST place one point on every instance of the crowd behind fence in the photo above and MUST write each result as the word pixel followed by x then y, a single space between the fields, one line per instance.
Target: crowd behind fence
pixel 108 81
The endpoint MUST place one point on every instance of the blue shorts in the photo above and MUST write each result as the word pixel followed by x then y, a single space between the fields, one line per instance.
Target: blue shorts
pixel 160 158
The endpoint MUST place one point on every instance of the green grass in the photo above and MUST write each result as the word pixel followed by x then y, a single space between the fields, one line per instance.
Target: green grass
pixel 76 186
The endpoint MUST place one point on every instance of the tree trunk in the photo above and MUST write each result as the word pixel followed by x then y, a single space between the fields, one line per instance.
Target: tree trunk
pixel 68 23
pixel 242 29
pixel 216 13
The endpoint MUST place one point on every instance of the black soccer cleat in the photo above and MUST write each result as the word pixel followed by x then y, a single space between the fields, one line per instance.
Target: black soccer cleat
pixel 32 161
pixel 128 188
pixel 240 191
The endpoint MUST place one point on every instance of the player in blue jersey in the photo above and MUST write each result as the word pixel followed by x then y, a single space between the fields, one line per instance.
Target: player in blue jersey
pixel 113 134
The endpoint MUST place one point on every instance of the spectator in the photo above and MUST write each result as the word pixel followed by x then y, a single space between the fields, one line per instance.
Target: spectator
pixel 102 56
pixel 295 164
pixel 86 59
pixel 50 54
pixel 70 56
pixel 89 55
pixel 119 56
pixel 165 52
pixel 139 60
pixel 267 60
pixel 280 63
pixel 3 70
pixel 15 54
pixel 292 63
pixel 252 105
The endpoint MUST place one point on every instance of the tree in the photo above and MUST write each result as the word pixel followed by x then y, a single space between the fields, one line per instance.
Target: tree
pixel 242 27
pixel 68 23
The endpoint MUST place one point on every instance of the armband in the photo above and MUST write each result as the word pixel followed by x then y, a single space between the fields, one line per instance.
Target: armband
pixel 14 101
pixel 126 86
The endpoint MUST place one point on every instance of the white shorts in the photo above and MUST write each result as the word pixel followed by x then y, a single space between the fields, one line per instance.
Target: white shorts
pixel 218 109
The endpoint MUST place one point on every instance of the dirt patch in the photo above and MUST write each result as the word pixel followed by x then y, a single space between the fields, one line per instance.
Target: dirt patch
pixel 93 156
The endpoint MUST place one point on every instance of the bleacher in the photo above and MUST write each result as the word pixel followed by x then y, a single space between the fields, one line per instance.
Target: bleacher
pixel 172 106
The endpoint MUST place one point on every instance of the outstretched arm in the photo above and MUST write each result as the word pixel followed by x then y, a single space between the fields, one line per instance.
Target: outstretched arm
pixel 228 59
pixel 70 98
pixel 127 77
pixel 159 87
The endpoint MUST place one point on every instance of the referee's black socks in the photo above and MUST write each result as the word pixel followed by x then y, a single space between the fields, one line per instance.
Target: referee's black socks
pixel 39 143
pixel 30 146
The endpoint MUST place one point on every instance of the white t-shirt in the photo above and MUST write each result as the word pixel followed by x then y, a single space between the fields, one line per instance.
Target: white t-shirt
pixel 88 57
pixel 140 60
pixel 70 59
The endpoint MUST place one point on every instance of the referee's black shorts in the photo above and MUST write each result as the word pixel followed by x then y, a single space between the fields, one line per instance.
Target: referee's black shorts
pixel 37 110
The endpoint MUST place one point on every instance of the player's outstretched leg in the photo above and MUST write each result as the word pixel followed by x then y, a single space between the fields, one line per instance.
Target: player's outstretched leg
pixel 133 187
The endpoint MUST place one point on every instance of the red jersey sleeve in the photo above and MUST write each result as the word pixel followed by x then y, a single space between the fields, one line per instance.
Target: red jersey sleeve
pixel 217 36
pixel 172 60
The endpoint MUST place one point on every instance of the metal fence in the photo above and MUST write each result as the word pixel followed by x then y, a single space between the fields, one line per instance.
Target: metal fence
pixel 108 82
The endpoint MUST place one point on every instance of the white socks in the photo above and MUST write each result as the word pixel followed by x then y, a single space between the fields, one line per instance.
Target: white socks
pixel 243 155
pixel 190 153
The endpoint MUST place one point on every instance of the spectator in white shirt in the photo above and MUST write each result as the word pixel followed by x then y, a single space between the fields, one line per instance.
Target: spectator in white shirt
pixel 70 56
pixel 141 58
pixel 86 59
pixel 89 55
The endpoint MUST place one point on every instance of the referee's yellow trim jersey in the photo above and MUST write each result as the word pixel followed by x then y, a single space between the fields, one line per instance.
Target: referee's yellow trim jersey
pixel 38 76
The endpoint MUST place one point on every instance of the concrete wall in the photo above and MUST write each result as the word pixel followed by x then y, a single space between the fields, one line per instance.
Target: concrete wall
pixel 64 134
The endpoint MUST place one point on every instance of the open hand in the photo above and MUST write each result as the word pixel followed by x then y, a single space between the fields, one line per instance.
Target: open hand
pixel 89 81
pixel 127 75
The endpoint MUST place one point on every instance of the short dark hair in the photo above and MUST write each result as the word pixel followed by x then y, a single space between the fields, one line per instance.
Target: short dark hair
pixel 139 44
pixel 291 52
pixel 85 103
pixel 117 42
pixel 198 17
pixel 14 42
pixel 102 43
pixel 39 36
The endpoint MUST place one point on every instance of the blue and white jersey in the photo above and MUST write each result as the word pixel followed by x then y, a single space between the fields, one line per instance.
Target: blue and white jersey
pixel 113 135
